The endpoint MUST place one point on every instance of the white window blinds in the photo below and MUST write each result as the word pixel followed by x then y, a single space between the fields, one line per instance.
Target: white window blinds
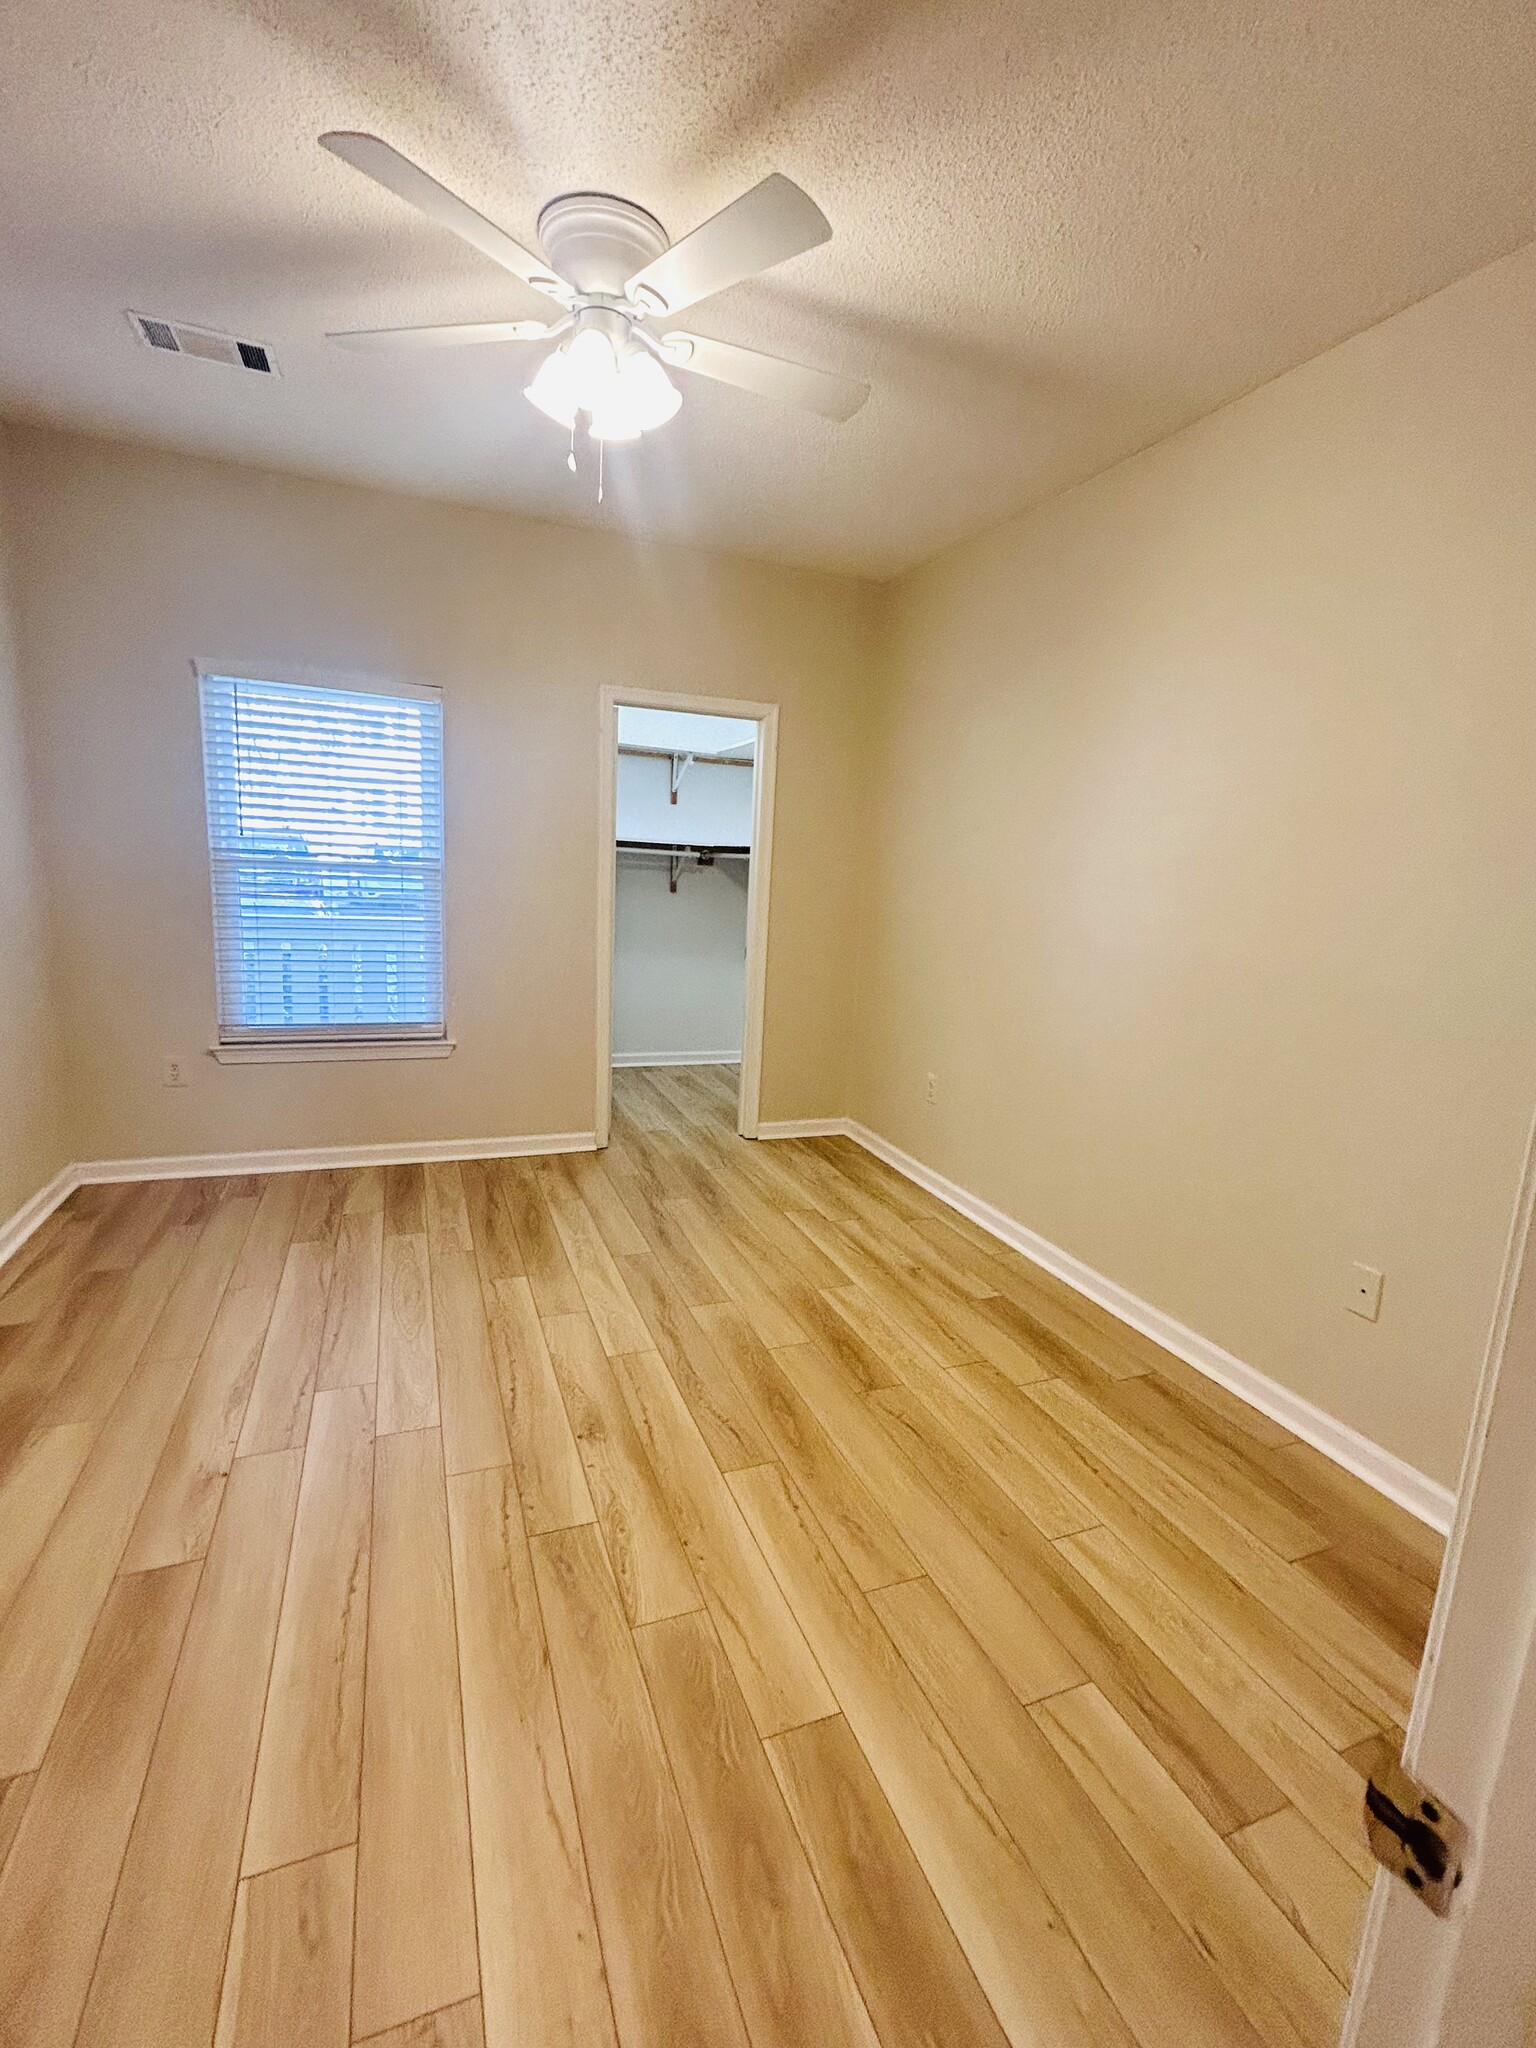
pixel 325 833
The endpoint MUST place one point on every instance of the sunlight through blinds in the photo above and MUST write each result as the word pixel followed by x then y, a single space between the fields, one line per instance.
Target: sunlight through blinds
pixel 325 833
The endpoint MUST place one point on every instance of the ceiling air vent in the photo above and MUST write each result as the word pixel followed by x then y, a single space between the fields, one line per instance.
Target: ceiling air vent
pixel 178 339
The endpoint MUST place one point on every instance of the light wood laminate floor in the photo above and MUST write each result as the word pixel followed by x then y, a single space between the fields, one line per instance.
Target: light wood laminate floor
pixel 704 1594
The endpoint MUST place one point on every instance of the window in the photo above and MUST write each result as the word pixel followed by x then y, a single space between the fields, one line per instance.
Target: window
pixel 325 836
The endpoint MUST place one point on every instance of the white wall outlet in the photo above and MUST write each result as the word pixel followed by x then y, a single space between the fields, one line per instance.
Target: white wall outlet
pixel 1365 1292
pixel 175 1072
pixel 931 1092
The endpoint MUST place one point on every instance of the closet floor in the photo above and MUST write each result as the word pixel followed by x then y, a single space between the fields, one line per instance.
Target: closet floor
pixel 701 1594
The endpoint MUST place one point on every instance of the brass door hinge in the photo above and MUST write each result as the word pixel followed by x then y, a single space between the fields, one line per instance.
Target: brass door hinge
pixel 1415 1835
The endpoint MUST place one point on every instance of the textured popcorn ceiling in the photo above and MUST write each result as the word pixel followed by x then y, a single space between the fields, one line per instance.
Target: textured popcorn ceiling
pixel 1061 230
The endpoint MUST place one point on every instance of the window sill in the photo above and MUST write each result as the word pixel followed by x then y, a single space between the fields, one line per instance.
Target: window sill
pixel 281 1051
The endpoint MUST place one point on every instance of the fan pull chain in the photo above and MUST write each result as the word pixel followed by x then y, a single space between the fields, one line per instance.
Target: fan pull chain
pixel 570 460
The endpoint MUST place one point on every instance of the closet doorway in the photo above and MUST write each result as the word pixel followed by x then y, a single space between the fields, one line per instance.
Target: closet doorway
pixel 685 844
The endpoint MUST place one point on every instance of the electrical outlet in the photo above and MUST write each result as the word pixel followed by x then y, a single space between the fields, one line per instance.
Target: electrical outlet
pixel 931 1093
pixel 175 1074
pixel 1365 1285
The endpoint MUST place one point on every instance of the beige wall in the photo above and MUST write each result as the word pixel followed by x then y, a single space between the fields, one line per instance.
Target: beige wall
pixel 135 562
pixel 32 1134
pixel 1208 862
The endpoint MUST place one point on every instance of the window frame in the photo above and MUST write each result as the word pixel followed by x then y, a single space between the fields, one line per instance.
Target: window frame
pixel 266 1044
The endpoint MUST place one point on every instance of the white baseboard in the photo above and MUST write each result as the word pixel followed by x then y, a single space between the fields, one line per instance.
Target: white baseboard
pixel 677 1059
pixel 16 1229
pixel 1422 1496
pixel 199 1165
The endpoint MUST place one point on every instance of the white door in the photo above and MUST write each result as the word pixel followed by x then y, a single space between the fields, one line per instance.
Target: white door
pixel 1470 1981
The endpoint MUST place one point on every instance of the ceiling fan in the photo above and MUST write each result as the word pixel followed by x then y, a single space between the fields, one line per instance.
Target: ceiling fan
pixel 619 283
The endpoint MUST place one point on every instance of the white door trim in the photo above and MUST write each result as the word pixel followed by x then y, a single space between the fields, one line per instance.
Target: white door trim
pixel 766 718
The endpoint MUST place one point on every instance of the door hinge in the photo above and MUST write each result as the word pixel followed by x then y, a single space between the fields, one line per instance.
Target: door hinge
pixel 1415 1836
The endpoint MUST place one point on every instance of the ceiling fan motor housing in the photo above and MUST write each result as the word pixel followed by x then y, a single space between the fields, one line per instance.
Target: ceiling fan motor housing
pixel 597 242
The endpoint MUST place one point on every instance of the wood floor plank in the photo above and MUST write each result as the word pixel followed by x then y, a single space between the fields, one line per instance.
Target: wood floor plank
pixel 1390 1603
pixel 415 1943
pixel 544 1261
pixel 923 1318
pixel 177 1518
pixel 1115 1352
pixel 455 2026
pixel 14 1794
pixel 910 1361
pixel 1312 1776
pixel 349 1343
pixel 1163 1418
pixel 1031 1970
pixel 1372 1667
pixel 866 1538
pixel 743 1284
pixel 304 1801
pixel 497 1251
pixel 550 1476
pixel 473 1426
pixel 1053 1507
pixel 615 1318
pixel 649 1562
pixel 1035 1663
pixel 720 1184
pixel 713 1397
pixel 541 1966
pixel 917 1985
pixel 1209 1763
pixel 287 1980
pixel 405 1201
pixel 162 1956
pixel 664 1236
pixel 43 1268
pixel 615 1225
pixel 773 1665
pixel 181 1329
pixel 1297 1670
pixel 1161 1982
pixel 1291 1998
pixel 1354 1514
pixel 56 1886
pixel 919 1291
pixel 666 1972
pixel 277 1414
pixel 789 1970
pixel 31 1496
pixel 1259 1428
pixel 407 1341
pixel 1319 1894
pixel 104 1363
pixel 138 1217
pixel 46 1628
pixel 323 1206
pixel 36 1360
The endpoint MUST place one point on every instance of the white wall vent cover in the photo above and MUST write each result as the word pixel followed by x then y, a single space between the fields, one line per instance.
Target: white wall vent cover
pixel 178 339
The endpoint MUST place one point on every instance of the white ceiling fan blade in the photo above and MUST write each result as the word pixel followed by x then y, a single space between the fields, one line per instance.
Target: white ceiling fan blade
pixel 464 336
pixel 834 397
pixel 397 174
pixel 772 222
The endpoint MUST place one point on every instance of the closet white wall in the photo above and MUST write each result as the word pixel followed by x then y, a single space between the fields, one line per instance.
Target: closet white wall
pixel 679 961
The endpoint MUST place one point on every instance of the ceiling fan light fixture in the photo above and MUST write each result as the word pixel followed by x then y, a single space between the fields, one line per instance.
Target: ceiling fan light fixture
pixel 553 389
pixel 623 390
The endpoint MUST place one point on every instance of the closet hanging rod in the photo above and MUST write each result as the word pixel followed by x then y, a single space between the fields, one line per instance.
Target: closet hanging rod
pixel 677 851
